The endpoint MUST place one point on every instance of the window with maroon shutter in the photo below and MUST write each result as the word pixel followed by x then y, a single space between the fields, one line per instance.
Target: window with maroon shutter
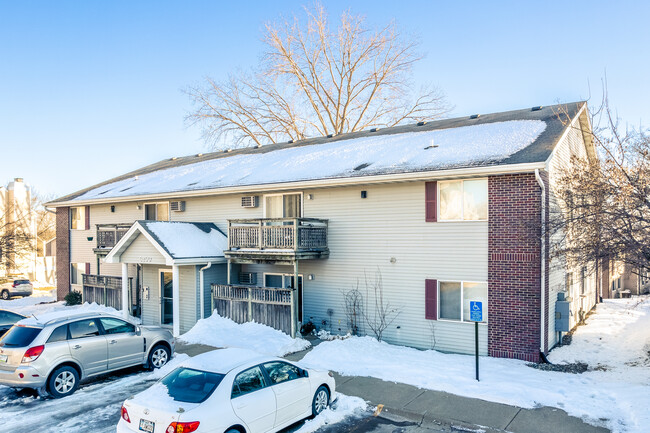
pixel 87 268
pixel 431 299
pixel 430 192
pixel 87 217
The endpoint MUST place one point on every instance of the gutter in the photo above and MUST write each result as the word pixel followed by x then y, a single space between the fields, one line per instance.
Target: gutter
pixel 202 288
pixel 543 262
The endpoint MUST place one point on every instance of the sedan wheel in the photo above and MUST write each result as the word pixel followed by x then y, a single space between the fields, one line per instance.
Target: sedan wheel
pixel 321 400
pixel 159 356
pixel 64 381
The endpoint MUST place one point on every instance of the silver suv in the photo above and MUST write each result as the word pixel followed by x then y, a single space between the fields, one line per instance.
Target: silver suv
pixel 16 288
pixel 54 355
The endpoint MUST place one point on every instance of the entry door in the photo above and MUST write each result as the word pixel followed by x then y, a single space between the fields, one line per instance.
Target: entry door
pixel 285 281
pixel 166 298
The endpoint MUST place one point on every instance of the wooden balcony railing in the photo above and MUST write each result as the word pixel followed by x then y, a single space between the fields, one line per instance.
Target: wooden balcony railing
pixel 110 234
pixel 278 234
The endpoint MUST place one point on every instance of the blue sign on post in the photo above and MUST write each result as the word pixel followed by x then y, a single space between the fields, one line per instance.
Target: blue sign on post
pixel 475 311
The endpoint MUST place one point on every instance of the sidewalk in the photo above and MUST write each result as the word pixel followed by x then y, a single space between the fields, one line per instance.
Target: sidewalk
pixel 440 409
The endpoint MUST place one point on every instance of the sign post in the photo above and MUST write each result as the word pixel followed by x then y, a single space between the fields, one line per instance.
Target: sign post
pixel 476 315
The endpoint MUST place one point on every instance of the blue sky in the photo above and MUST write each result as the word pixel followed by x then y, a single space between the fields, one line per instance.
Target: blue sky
pixel 90 90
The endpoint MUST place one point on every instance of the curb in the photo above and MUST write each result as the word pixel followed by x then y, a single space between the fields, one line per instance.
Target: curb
pixel 428 420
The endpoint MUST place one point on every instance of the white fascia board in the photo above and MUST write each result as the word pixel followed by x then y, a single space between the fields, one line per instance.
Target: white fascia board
pixel 319 183
pixel 199 261
pixel 115 255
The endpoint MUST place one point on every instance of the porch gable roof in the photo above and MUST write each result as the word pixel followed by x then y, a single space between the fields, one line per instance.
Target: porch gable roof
pixel 179 243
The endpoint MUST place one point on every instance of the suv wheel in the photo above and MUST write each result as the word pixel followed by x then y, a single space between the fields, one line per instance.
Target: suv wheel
pixel 158 356
pixel 5 294
pixel 63 381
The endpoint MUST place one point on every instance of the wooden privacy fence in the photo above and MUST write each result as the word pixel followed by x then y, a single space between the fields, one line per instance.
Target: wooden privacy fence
pixel 266 305
pixel 104 290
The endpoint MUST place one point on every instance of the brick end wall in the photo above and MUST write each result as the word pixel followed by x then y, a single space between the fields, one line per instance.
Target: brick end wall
pixel 514 270
pixel 62 252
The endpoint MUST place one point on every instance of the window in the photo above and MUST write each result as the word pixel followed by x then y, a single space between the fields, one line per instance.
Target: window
pixel 191 386
pixel 116 326
pixel 455 298
pixel 59 334
pixel 463 200
pixel 76 272
pixel 282 372
pixel 9 318
pixel 19 336
pixel 248 381
pixel 78 218
pixel 283 206
pixel 156 211
pixel 569 283
pixel 83 329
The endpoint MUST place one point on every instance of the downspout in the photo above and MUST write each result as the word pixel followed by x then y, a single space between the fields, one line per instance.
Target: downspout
pixel 543 262
pixel 202 288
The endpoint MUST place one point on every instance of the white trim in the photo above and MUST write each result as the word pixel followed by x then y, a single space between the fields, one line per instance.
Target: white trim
pixel 126 241
pixel 462 290
pixel 160 295
pixel 317 183
pixel 302 201
pixel 462 205
pixel 144 210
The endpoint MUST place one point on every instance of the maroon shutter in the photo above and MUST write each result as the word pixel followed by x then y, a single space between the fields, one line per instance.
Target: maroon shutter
pixel 430 192
pixel 431 299
pixel 87 217
pixel 87 268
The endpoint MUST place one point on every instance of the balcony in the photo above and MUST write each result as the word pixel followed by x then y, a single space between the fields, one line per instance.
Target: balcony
pixel 276 240
pixel 108 235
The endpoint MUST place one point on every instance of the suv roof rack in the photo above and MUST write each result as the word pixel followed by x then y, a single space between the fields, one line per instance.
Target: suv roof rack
pixel 71 316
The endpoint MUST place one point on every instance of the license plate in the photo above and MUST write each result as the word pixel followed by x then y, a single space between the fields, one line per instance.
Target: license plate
pixel 146 425
pixel 4 358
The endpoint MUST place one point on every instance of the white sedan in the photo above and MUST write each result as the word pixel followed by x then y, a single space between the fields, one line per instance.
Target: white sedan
pixel 229 391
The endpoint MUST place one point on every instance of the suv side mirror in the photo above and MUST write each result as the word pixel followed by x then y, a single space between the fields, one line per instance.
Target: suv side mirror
pixel 138 330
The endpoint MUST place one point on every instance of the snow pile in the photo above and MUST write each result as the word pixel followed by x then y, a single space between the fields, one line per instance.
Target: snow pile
pixel 219 331
pixel 381 154
pixel 25 306
pixel 344 407
pixel 616 336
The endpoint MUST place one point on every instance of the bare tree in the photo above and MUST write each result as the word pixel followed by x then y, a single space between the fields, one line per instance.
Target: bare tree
pixel 45 221
pixel 316 81
pixel 603 207
pixel 16 237
pixel 380 314
pixel 353 304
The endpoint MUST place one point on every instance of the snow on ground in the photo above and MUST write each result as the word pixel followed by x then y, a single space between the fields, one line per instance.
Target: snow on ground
pixel 344 407
pixel 389 153
pixel 616 339
pixel 94 407
pixel 220 331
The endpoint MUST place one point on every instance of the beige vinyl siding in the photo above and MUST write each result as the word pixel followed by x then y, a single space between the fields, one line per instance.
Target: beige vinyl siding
pixel 363 236
pixel 188 295
pixel 142 251
pixel 572 144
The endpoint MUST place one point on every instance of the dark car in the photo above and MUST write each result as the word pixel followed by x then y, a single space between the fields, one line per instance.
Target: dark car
pixel 7 320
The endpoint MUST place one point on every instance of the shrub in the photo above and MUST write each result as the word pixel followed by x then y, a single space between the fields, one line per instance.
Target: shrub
pixel 73 298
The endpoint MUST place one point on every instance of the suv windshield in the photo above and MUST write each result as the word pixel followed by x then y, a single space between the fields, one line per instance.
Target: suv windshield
pixel 191 386
pixel 19 336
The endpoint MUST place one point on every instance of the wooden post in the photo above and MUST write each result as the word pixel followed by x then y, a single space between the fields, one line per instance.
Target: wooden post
pixel 125 290
pixel 295 241
pixel 229 269
pixel 260 236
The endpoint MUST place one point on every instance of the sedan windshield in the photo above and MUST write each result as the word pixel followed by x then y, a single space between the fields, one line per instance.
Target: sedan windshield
pixel 19 336
pixel 191 386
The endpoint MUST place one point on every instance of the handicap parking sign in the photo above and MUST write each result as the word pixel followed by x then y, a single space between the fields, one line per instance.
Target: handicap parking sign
pixel 475 311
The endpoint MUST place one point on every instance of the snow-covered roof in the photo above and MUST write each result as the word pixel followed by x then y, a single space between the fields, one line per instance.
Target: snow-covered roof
pixel 175 240
pixel 520 136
